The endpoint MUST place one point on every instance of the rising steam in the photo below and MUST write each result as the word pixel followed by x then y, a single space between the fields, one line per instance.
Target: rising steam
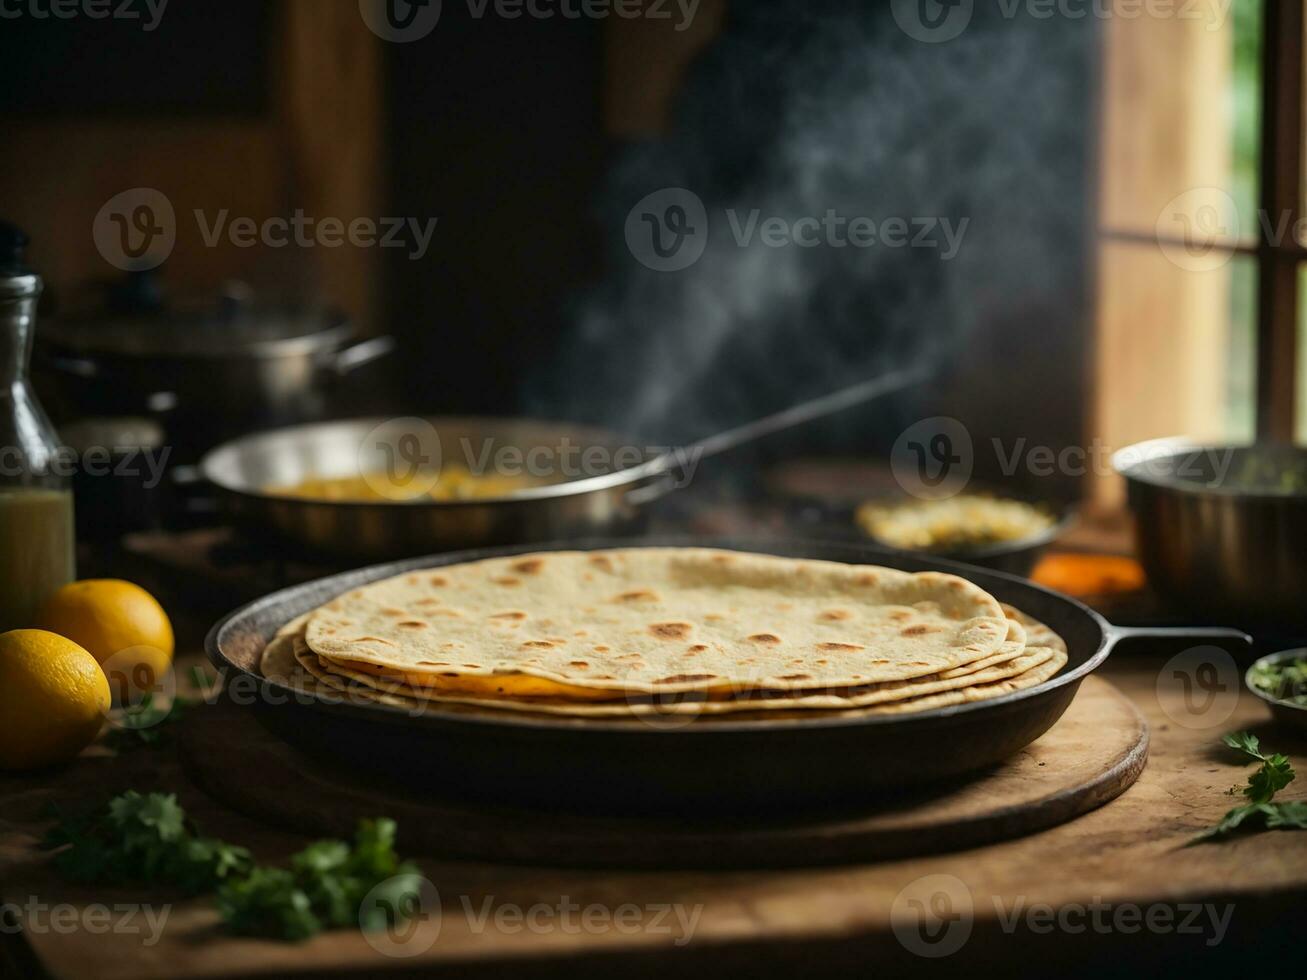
pixel 799 108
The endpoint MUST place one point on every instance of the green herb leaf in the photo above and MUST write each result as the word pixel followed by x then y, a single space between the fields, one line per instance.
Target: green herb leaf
pixel 147 724
pixel 1244 742
pixel 1283 681
pixel 88 860
pixel 1273 776
pixel 147 837
pixel 148 818
pixel 1287 816
pixel 143 838
pixel 202 863
pixel 321 858
pixel 269 902
pixel 325 887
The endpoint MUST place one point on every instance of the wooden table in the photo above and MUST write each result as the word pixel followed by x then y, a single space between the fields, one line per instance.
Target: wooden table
pixel 1115 888
pixel 1129 853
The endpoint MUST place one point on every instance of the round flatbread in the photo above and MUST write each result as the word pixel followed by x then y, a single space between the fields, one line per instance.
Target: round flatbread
pixel 654 620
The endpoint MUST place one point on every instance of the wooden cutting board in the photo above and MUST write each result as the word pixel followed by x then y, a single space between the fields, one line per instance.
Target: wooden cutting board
pixel 1091 755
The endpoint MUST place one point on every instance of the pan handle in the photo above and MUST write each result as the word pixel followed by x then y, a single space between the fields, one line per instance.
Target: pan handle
pixel 659 486
pixel 365 352
pixel 1173 639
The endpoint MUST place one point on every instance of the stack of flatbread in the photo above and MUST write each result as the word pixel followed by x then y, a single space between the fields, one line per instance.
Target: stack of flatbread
pixel 665 631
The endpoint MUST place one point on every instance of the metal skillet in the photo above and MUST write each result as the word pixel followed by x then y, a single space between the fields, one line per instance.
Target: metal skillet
pixel 599 481
pixel 701 766
pixel 603 500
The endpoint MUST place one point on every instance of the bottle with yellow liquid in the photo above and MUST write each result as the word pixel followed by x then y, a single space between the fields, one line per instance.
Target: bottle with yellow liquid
pixel 36 500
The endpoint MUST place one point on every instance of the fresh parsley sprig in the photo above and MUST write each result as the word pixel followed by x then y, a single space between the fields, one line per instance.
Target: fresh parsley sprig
pixel 148 724
pixel 144 838
pixel 1273 775
pixel 328 885
pixel 151 724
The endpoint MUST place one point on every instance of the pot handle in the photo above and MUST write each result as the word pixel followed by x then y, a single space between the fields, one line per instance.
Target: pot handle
pixel 78 367
pixel 351 358
pixel 1173 639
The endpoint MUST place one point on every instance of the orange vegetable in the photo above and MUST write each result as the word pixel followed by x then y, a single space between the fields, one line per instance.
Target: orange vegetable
pixel 1089 575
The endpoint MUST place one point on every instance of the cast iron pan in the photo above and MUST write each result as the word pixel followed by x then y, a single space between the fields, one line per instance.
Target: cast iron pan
pixel 668 765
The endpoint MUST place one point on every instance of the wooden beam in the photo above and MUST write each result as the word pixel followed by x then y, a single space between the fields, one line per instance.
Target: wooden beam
pixel 328 114
pixel 1281 207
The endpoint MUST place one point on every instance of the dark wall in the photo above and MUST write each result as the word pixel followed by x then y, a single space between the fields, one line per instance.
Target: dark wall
pixel 533 300
pixel 494 129
pixel 197 58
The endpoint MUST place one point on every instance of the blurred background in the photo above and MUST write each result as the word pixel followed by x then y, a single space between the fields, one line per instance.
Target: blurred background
pixel 1066 143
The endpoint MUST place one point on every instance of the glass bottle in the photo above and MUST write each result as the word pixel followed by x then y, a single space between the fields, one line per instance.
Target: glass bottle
pixel 36 501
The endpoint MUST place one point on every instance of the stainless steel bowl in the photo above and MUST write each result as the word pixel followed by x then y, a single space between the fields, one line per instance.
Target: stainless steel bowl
pixel 1214 538
pixel 594 497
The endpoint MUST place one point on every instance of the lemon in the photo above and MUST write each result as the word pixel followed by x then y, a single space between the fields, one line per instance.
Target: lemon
pixel 53 698
pixel 120 624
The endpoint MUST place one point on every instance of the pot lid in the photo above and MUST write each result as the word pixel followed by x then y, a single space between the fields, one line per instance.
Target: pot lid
pixel 135 322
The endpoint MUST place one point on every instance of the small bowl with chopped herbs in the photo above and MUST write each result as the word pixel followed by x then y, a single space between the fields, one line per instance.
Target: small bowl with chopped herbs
pixel 1280 679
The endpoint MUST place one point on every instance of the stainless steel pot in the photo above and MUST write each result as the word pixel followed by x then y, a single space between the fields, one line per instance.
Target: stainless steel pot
pixel 1214 538
pixel 596 498
pixel 210 372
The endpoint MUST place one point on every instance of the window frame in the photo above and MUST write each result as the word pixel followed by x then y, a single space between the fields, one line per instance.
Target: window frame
pixel 1278 261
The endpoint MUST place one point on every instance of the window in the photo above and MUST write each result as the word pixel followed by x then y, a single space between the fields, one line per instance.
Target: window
pixel 1202 330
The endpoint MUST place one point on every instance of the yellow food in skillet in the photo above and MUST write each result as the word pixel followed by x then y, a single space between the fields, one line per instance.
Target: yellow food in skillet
pixel 452 483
